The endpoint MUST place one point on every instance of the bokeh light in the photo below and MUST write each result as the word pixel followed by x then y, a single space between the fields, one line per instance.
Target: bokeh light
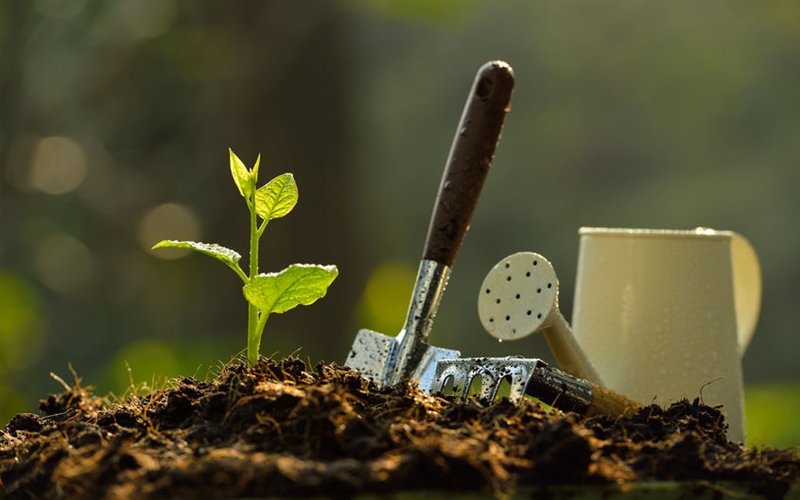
pixel 145 18
pixel 59 9
pixel 58 165
pixel 168 221
pixel 64 264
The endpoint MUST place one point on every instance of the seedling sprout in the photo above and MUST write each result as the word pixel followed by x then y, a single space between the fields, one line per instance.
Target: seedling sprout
pixel 267 293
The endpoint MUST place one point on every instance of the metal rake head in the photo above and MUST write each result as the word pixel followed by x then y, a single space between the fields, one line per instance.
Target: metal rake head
pixel 530 376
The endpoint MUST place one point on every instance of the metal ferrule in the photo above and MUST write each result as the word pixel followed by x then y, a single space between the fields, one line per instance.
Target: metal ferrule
pixel 559 389
pixel 412 341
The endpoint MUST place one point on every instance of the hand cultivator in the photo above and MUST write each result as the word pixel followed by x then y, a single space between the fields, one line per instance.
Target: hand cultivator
pixel 533 377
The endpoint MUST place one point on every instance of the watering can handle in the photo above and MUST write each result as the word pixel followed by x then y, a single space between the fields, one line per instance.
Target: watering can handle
pixel 746 288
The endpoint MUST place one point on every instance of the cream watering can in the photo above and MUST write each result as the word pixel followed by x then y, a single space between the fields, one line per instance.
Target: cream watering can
pixel 667 314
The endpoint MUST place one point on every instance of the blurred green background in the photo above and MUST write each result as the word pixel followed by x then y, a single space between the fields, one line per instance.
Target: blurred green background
pixel 116 118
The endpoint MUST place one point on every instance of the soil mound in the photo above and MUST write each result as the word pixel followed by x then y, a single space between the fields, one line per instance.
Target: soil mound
pixel 281 428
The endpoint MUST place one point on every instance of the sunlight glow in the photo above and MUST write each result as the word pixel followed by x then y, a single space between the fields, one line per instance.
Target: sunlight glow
pixel 168 221
pixel 58 165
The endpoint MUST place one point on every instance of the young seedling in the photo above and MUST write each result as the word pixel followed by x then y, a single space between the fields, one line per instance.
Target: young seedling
pixel 298 284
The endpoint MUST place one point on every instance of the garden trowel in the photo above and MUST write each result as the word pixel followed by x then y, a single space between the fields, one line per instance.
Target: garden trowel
pixel 408 356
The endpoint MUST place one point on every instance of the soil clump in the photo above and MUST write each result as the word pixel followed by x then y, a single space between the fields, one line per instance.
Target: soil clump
pixel 283 429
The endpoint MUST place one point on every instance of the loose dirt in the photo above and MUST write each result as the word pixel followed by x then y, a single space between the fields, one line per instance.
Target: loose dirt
pixel 284 429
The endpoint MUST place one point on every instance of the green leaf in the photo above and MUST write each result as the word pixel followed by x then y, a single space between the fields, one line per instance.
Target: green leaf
pixel 276 198
pixel 225 255
pixel 298 284
pixel 241 176
pixel 254 172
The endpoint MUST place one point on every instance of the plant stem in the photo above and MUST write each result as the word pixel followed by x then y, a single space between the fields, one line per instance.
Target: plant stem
pixel 253 336
pixel 253 339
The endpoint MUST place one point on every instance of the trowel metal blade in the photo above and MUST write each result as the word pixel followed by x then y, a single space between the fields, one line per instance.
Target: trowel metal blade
pixel 371 354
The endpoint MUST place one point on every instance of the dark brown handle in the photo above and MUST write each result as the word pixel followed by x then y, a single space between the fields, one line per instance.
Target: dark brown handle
pixel 468 164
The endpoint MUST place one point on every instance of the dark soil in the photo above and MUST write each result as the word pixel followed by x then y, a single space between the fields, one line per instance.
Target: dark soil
pixel 281 429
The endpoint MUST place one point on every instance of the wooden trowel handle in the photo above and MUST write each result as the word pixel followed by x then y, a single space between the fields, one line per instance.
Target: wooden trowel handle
pixel 607 402
pixel 468 164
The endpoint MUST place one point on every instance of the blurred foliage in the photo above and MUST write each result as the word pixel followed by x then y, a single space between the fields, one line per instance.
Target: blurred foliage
pixel 116 116
pixel 21 327
pixel 156 363
pixel 772 411
pixel 386 297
